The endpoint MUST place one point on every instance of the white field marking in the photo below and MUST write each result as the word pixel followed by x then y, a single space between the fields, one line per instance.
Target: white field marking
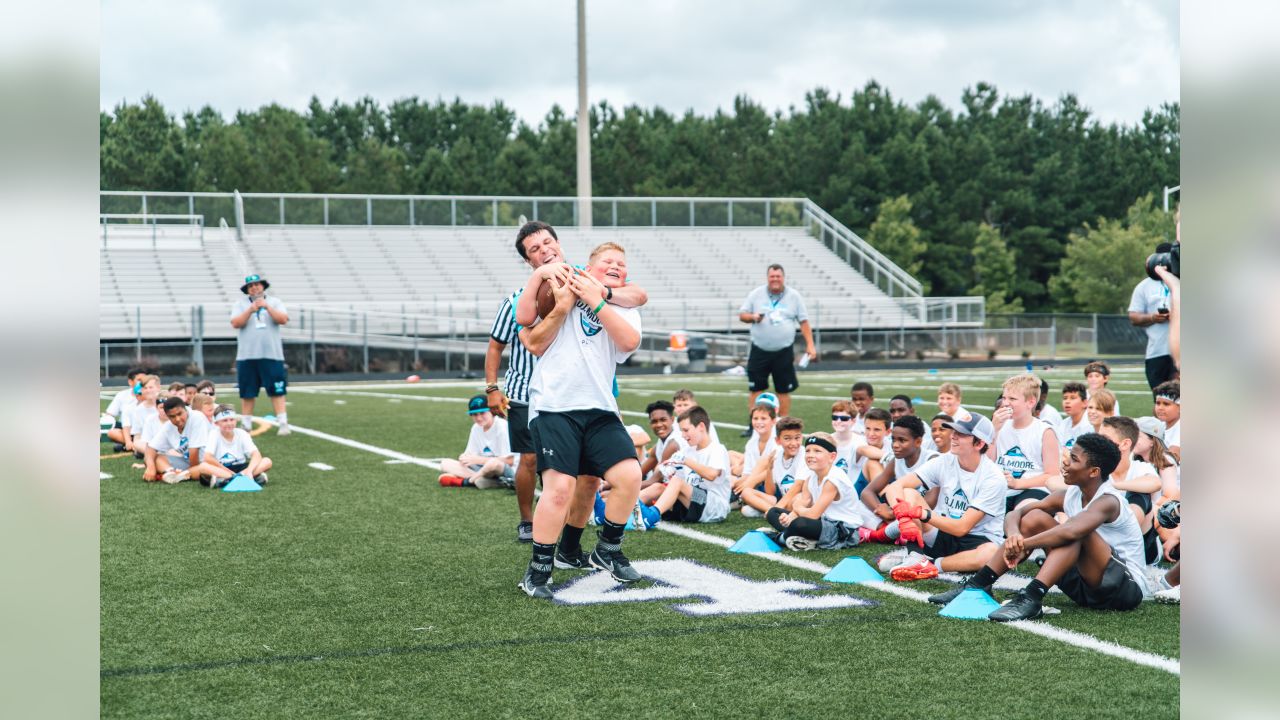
pixel 1070 637
pixel 339 402
pixel 103 476
pixel 393 462
pixel 320 466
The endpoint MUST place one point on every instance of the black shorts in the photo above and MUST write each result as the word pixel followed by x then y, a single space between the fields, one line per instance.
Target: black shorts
pixel 237 467
pixel 580 442
pixel 1117 591
pixel 261 373
pixel 1029 494
pixel 691 512
pixel 1160 369
pixel 518 429
pixel 779 363
pixel 945 545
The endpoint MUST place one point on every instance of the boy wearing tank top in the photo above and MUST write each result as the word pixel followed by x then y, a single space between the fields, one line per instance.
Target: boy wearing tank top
pixel 1026 448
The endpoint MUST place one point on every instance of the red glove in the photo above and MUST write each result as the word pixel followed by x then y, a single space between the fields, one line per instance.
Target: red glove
pixel 905 509
pixel 908 532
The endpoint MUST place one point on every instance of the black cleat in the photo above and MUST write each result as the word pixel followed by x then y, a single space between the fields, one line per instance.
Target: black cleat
pixel 613 562
pixel 524 532
pixel 576 560
pixel 118 447
pixel 1021 607
pixel 536 584
pixel 943 598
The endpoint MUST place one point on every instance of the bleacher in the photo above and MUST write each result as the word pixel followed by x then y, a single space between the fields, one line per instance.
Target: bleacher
pixel 696 277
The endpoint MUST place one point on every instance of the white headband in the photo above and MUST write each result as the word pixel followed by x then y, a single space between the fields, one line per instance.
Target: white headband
pixel 1170 398
pixel 224 415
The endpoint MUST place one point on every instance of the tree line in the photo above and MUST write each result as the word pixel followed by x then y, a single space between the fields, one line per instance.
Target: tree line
pixel 1035 206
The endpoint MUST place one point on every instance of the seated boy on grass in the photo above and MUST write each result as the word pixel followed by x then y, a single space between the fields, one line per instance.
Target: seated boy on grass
pixel 776 472
pixel 823 510
pixel 698 489
pixel 1095 557
pixel 488 461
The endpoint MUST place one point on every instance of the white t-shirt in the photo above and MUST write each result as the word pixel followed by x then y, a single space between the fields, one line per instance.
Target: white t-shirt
pixel 846 454
pixel 150 426
pixel 236 451
pixel 194 435
pixel 1068 432
pixel 1148 296
pixel 1021 452
pixel 1050 414
pixel 716 457
pixel 1141 468
pixel 1123 534
pixel 492 443
pixel 901 469
pixel 136 416
pixel 844 508
pixel 715 436
pixel 960 489
pixel 660 445
pixel 123 400
pixel 1173 435
pixel 787 472
pixel 751 454
pixel 577 370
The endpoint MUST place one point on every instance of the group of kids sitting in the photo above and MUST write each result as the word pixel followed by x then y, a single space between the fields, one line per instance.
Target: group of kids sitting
pixel 1089 495
pixel 182 433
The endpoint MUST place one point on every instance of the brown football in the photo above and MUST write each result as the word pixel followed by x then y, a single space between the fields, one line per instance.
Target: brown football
pixel 546 299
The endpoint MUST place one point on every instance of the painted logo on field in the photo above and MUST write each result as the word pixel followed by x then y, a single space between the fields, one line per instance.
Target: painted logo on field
pixel 710 591
pixel 590 323
pixel 1016 462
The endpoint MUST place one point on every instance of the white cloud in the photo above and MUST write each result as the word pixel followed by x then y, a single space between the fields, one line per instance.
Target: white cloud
pixel 1118 58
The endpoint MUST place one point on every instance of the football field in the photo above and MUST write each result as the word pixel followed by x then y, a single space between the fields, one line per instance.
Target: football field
pixel 367 589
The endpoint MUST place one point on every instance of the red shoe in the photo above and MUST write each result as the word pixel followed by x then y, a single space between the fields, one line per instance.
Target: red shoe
pixel 920 569
pixel 450 481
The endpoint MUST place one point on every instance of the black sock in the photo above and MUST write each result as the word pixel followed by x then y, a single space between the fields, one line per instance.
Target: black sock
pixel 571 539
pixel 542 554
pixel 1036 590
pixel 985 577
pixel 611 533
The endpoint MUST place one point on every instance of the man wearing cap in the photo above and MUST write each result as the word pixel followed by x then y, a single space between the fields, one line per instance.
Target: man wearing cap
pixel 774 311
pixel 965 525
pixel 488 461
pixel 259 349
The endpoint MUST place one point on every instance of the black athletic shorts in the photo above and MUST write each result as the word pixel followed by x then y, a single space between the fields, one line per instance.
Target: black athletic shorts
pixel 261 373
pixel 237 467
pixel 1029 494
pixel 691 512
pixel 518 429
pixel 779 363
pixel 1117 591
pixel 1160 369
pixel 580 442
pixel 945 545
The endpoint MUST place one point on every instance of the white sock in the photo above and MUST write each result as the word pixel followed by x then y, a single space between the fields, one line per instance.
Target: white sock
pixel 1164 583
pixel 937 562
pixel 246 422
pixel 283 418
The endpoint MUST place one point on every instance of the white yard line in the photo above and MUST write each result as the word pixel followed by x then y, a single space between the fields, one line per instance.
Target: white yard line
pixel 1069 637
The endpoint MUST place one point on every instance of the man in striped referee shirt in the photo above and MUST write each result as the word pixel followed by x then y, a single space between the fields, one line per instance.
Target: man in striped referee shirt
pixel 538 245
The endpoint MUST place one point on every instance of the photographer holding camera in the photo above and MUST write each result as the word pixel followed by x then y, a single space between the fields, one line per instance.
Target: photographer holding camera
pixel 259 349
pixel 1152 307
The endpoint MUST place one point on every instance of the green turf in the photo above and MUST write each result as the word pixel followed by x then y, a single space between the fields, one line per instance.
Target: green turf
pixel 370 590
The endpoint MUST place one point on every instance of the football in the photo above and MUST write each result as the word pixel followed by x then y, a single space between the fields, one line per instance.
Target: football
pixel 546 299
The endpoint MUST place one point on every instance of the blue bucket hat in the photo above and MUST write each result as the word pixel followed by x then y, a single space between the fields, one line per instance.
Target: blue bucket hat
pixel 255 278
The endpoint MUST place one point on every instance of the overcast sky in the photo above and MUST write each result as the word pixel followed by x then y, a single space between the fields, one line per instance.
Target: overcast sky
pixel 1118 56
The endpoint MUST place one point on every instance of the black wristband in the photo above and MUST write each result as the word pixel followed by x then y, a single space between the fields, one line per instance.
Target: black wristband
pixel 928 515
pixel 608 293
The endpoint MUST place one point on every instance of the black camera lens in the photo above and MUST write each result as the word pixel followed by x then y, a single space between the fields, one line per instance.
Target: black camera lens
pixel 1171 260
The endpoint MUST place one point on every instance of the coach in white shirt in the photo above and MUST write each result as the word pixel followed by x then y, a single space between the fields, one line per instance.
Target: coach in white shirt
pixel 774 311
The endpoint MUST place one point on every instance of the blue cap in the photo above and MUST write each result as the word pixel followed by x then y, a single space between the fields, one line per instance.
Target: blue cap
pixel 977 426
pixel 477 405
pixel 768 398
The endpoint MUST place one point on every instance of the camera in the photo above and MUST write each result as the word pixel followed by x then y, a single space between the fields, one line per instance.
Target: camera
pixel 1171 260
pixel 1170 515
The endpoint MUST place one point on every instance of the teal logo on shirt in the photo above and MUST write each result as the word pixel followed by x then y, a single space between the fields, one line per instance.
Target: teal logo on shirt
pixel 1016 462
pixel 590 323
pixel 956 504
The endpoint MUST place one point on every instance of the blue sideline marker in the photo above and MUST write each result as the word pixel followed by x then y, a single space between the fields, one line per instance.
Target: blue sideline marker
pixel 242 483
pixel 853 570
pixel 755 541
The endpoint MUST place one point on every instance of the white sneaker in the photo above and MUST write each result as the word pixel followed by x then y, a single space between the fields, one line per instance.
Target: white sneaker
pixel 892 559
pixel 173 477
pixel 1172 596
pixel 284 430
pixel 637 517
pixel 748 511
pixel 912 558
pixel 800 543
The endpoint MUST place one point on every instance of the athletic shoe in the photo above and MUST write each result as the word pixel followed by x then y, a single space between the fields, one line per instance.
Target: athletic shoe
pixel 892 559
pixel 735 503
pixel 284 430
pixel 637 517
pixel 943 598
pixel 260 478
pixel 536 585
pixel 1020 607
pixel 118 447
pixel 748 511
pixel 577 560
pixel 1037 556
pixel 800 543
pixel 772 534
pixel 174 477
pixel 450 481
pixel 1172 596
pixel 917 567
pixel 613 562
pixel 524 532
pixel 863 534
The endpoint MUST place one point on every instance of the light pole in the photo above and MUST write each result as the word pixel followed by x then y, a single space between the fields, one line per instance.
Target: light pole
pixel 584 122
pixel 1167 191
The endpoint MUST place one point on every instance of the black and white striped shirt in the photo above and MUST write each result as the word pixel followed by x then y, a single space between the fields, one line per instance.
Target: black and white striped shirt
pixel 506 331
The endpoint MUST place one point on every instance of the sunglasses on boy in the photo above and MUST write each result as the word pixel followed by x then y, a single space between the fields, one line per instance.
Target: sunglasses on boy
pixel 841 418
